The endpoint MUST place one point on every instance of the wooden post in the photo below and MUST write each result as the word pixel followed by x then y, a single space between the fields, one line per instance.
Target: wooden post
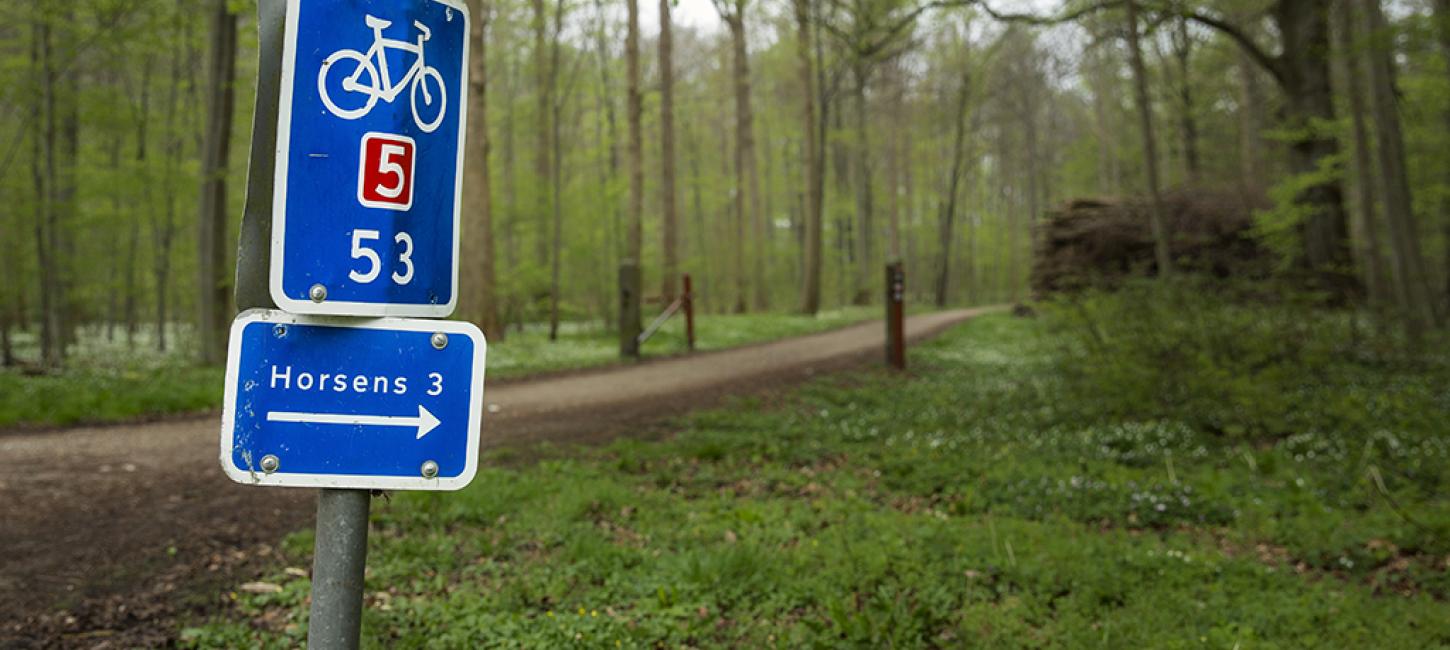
pixel 689 300
pixel 895 316
pixel 629 309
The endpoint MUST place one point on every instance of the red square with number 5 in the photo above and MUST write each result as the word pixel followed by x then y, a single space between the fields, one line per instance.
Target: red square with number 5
pixel 385 171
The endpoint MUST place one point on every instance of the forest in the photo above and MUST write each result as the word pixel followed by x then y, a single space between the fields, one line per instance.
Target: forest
pixel 1177 284
pixel 779 152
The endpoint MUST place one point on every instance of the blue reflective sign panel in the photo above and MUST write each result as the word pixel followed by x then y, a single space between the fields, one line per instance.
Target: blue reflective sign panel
pixel 382 403
pixel 370 131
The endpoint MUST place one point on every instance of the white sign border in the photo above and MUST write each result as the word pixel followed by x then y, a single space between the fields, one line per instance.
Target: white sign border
pixel 279 188
pixel 284 479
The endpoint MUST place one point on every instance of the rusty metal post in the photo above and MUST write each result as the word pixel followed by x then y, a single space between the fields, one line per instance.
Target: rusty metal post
pixel 689 313
pixel 895 316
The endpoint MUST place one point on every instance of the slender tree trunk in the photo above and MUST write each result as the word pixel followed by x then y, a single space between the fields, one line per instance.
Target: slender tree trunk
pixel 163 224
pixel 543 79
pixel 629 325
pixel 1158 217
pixel 669 228
pixel 482 305
pixel 1417 306
pixel 613 227
pixel 43 175
pixel 133 242
pixel 864 218
pixel 513 313
pixel 65 204
pixel 113 253
pixel 811 268
pixel 746 190
pixel 212 285
pixel 949 205
pixel 1188 123
pixel 1371 259
pixel 556 174
pixel 702 233
pixel 897 111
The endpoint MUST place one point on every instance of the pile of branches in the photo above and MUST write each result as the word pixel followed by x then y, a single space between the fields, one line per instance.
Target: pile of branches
pixel 1098 243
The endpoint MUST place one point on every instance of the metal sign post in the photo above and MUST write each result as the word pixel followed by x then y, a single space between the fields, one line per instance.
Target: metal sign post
pixel 352 209
pixel 895 316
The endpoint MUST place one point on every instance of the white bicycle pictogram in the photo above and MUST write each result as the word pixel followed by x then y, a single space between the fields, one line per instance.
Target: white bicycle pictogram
pixel 379 83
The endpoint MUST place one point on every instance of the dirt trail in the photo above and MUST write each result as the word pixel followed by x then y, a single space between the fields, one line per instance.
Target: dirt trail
pixel 107 533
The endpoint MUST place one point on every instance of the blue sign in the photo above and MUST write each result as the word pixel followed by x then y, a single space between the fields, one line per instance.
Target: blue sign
pixel 381 403
pixel 370 133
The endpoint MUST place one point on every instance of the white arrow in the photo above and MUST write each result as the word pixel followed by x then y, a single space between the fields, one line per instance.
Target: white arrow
pixel 425 420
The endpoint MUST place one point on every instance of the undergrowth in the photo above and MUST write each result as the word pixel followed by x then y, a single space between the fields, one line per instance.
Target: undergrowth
pixel 984 501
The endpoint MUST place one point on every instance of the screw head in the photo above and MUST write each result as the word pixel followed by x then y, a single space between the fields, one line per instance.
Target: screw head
pixel 429 469
pixel 317 293
pixel 279 331
pixel 439 340
pixel 270 463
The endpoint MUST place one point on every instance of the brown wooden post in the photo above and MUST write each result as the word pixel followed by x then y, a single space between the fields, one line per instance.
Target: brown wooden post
pixel 895 316
pixel 629 309
pixel 689 305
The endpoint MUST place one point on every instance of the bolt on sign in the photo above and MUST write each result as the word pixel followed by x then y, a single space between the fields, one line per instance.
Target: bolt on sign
pixel 365 224
pixel 368 178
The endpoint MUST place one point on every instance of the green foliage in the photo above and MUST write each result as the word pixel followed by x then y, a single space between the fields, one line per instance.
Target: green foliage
pixel 1235 360
pixel 1280 228
pixel 969 506
pixel 108 382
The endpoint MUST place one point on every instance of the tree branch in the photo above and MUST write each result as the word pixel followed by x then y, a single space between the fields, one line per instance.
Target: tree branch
pixel 1046 21
pixel 1272 64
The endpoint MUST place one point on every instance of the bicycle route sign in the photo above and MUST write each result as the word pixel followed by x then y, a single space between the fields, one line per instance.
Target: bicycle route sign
pixel 368 178
pixel 382 404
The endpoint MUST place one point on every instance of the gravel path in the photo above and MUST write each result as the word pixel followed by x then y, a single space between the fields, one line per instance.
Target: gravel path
pixel 109 534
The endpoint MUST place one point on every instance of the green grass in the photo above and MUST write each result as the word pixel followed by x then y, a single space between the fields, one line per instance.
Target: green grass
pixel 108 381
pixel 970 506
pixel 112 381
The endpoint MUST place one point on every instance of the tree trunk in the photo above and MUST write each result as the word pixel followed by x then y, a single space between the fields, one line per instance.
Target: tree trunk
pixel 543 77
pixel 669 213
pixel 512 312
pixel 1161 250
pixel 65 204
pixel 864 219
pixel 212 271
pixel 629 314
pixel 702 234
pixel 1302 71
pixel 1304 27
pixel 163 223
pixel 1371 260
pixel 1442 34
pixel 613 235
pixel 1416 305
pixel 43 174
pixel 1188 123
pixel 747 187
pixel 811 267
pixel 949 207
pixel 481 306
pixel 556 175
pixel 897 111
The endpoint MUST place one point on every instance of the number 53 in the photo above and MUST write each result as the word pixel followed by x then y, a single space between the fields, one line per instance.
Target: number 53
pixel 375 263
